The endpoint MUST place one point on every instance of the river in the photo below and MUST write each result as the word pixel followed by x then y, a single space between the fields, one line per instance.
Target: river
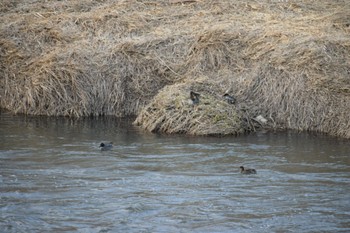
pixel 54 178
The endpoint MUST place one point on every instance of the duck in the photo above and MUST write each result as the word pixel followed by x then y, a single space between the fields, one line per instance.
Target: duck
pixel 194 97
pixel 106 146
pixel 229 98
pixel 247 171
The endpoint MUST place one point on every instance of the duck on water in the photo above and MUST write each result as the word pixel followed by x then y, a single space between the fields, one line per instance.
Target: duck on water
pixel 106 146
pixel 247 171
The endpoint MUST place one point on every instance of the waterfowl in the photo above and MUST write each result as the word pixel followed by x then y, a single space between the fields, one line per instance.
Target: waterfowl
pixel 229 98
pixel 194 97
pixel 247 171
pixel 106 146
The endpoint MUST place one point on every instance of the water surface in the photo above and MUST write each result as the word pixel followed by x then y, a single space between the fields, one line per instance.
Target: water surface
pixel 53 178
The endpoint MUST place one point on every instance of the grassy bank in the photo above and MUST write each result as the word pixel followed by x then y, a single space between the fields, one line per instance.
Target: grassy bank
pixel 285 60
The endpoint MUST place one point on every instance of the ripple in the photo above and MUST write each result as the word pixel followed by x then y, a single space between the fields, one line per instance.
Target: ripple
pixel 172 184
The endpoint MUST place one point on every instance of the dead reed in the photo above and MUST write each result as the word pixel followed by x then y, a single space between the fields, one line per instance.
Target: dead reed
pixel 172 111
pixel 285 60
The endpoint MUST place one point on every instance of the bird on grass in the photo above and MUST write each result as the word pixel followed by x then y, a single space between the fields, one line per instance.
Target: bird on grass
pixel 229 98
pixel 194 97
pixel 247 171
pixel 106 146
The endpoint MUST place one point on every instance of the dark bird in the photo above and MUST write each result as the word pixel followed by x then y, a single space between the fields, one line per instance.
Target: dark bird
pixel 106 146
pixel 229 98
pixel 247 171
pixel 194 97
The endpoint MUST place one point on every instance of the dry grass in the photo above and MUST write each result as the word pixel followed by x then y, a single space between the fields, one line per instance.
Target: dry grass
pixel 285 60
pixel 172 111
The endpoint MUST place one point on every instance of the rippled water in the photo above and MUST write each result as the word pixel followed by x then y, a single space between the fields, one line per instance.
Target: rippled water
pixel 53 178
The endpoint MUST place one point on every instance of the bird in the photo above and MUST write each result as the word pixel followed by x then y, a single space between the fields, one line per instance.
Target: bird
pixel 194 97
pixel 229 98
pixel 247 171
pixel 106 146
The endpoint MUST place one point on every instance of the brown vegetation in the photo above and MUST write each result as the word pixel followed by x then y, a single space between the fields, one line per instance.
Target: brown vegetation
pixel 285 60
pixel 172 111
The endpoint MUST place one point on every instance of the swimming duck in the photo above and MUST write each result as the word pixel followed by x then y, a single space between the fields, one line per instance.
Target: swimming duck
pixel 229 98
pixel 247 171
pixel 106 146
pixel 194 97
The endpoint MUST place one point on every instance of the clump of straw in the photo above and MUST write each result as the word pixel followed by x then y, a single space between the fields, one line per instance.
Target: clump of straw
pixel 286 61
pixel 172 111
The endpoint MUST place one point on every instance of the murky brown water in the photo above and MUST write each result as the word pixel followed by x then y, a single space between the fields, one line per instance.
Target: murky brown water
pixel 53 178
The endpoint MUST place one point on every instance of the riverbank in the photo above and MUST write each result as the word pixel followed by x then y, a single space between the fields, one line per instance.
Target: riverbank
pixel 286 61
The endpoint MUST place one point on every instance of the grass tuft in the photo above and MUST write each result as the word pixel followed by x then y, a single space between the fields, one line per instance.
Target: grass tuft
pixel 287 61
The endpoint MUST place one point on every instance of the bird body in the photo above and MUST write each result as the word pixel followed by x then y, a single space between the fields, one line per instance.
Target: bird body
pixel 194 97
pixel 229 98
pixel 247 171
pixel 106 146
